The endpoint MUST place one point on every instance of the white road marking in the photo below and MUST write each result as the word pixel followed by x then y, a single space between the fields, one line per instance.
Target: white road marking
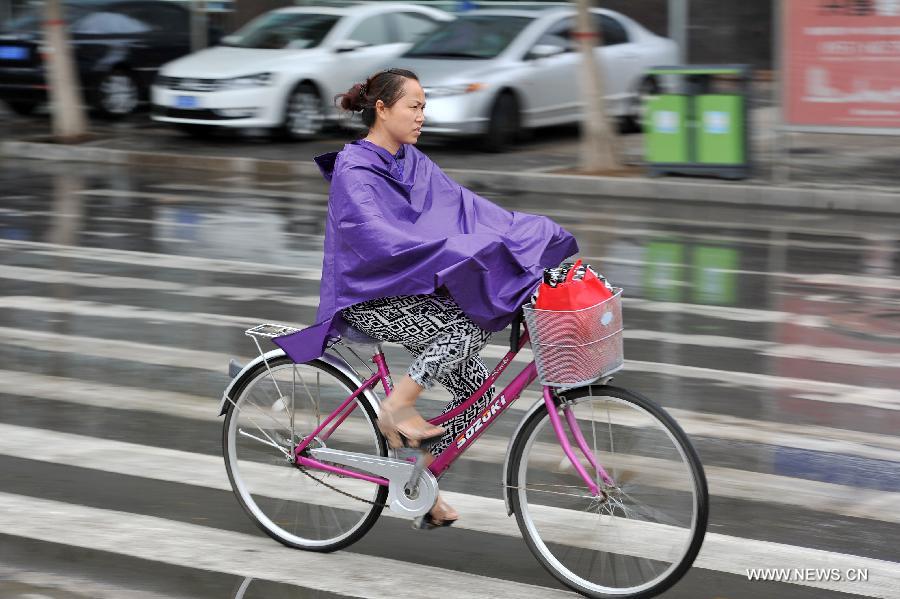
pixel 212 549
pixel 148 259
pixel 723 426
pixel 871 397
pixel 215 550
pixel 72 585
pixel 208 471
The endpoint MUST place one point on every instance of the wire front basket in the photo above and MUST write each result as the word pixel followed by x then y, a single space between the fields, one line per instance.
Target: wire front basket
pixel 576 347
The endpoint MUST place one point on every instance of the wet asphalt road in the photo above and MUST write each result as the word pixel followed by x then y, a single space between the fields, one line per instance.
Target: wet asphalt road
pixel 771 336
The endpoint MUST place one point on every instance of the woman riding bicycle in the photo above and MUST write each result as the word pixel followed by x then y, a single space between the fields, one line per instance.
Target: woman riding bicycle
pixel 411 257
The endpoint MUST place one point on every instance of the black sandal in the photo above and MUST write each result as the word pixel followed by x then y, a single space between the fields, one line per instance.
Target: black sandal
pixel 427 522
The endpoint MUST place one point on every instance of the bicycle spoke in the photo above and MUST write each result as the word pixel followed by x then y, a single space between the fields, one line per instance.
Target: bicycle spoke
pixel 530 488
pixel 270 442
pixel 631 538
pixel 264 413
pixel 655 514
pixel 294 506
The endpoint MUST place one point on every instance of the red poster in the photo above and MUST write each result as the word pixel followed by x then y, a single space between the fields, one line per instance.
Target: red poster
pixel 841 61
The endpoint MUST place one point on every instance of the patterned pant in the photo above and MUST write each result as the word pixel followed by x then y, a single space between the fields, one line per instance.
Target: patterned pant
pixel 445 341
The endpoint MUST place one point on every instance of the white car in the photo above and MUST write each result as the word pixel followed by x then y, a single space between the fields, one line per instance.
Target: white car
pixel 494 72
pixel 283 69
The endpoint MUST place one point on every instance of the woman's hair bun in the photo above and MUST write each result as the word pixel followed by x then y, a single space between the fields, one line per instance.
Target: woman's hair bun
pixel 355 99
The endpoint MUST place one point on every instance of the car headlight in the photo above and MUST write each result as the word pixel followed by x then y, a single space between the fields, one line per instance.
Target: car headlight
pixel 453 90
pixel 257 80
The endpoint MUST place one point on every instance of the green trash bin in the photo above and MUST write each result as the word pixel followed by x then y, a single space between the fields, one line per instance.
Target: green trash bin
pixel 667 132
pixel 710 134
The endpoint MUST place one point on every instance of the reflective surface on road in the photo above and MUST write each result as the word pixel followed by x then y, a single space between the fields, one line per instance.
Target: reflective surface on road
pixel 771 336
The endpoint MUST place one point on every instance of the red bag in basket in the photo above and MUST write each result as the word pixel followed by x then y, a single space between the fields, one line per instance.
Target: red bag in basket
pixel 573 294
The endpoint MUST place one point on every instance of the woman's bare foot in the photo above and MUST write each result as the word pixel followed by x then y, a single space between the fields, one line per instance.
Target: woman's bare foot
pixel 405 422
pixel 399 418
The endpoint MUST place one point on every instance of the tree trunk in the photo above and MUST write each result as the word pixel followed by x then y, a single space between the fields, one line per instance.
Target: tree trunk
pixel 599 147
pixel 69 123
pixel 199 26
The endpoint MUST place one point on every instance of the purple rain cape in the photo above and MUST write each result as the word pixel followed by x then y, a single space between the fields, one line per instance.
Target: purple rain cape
pixel 397 225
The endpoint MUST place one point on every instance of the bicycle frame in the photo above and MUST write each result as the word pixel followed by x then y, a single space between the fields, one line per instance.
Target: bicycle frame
pixel 474 428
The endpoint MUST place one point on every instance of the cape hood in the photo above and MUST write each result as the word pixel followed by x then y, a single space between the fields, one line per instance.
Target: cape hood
pixel 397 225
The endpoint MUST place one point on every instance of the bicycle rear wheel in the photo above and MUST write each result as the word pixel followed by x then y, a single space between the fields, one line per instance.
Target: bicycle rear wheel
pixel 640 538
pixel 275 408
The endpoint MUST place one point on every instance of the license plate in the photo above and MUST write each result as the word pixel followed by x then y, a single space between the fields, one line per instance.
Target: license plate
pixel 13 53
pixel 186 102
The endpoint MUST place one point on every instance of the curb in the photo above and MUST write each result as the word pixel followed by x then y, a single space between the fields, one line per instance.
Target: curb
pixel 226 164
pixel 854 199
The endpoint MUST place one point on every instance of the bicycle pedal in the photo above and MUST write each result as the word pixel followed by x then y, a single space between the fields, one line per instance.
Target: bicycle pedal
pixel 407 454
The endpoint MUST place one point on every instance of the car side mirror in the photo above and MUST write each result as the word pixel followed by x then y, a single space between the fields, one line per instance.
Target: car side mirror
pixel 349 45
pixel 544 51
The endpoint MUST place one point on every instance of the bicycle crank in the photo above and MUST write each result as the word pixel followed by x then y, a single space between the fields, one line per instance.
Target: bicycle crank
pixel 405 497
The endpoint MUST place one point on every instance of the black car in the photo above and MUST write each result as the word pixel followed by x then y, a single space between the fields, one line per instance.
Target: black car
pixel 118 44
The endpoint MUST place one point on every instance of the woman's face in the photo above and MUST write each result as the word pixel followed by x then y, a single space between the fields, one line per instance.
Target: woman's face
pixel 403 121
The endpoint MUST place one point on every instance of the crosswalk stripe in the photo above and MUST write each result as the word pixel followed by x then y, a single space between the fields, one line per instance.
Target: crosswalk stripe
pixel 86 587
pixel 164 261
pixel 176 543
pixel 810 437
pixel 723 426
pixel 235 293
pixel 625 226
pixel 242 193
pixel 253 294
pixel 260 200
pixel 206 470
pixel 720 552
pixel 110 282
pixel 705 237
pixel 813 390
pixel 235 267
pixel 122 311
pixel 804 226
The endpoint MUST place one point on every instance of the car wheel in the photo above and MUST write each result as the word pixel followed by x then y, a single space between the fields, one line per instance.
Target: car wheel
pixel 22 108
pixel 304 113
pixel 634 122
pixel 503 124
pixel 117 94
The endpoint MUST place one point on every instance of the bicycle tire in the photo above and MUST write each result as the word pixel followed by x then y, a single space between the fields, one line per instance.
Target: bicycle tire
pixel 362 515
pixel 551 551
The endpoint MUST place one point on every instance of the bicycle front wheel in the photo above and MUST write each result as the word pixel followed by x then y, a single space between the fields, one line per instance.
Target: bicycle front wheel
pixel 273 409
pixel 643 533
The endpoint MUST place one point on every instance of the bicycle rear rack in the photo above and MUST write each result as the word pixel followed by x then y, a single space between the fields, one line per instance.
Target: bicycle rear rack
pixel 270 331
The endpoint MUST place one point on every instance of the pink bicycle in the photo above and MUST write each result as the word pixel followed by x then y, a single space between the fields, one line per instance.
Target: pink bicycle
pixel 606 488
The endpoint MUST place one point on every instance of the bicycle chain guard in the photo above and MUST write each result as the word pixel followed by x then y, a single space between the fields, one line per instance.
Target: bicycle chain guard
pixel 398 472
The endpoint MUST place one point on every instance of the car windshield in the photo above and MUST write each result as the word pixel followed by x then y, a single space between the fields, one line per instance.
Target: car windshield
pixel 471 36
pixel 283 30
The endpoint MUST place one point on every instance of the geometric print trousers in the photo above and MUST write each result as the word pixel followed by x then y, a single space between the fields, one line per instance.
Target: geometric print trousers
pixel 444 340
